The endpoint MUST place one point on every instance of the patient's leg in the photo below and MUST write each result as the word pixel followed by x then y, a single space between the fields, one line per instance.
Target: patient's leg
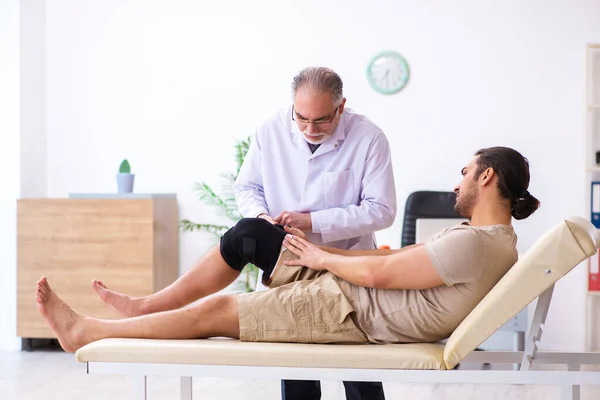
pixel 215 316
pixel 251 240
pixel 209 275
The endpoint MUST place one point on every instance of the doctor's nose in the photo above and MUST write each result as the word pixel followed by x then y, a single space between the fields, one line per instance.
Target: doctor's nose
pixel 312 128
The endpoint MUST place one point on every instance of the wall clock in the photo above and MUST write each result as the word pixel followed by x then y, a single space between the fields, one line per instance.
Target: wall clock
pixel 388 72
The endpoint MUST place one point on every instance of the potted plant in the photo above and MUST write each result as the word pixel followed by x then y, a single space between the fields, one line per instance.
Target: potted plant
pixel 226 205
pixel 125 178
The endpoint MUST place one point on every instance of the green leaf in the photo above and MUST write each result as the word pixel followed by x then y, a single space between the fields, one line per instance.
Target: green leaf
pixel 226 205
pixel 125 168
pixel 217 230
pixel 247 280
pixel 209 197
pixel 241 149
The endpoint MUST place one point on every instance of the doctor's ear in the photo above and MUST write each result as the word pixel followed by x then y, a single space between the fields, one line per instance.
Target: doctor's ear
pixel 341 108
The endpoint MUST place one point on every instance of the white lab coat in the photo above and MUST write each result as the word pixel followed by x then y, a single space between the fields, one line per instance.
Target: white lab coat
pixel 347 185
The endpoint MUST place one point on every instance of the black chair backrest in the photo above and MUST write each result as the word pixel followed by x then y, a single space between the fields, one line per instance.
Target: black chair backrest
pixel 426 204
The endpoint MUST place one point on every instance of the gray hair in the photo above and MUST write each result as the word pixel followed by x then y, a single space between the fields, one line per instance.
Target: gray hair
pixel 320 79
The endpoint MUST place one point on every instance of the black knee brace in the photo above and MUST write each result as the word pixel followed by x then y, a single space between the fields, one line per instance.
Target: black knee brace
pixel 252 240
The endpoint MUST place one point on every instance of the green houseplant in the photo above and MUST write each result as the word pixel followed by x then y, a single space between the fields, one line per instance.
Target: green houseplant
pixel 125 168
pixel 224 203
pixel 125 178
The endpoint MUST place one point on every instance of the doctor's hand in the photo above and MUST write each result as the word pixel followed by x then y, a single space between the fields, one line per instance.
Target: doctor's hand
pixel 267 217
pixel 301 221
pixel 310 255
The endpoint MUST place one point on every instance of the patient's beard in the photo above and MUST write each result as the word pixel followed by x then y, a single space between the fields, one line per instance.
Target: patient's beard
pixel 466 202
pixel 317 138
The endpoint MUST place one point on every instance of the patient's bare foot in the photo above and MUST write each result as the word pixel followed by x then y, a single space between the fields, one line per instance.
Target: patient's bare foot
pixel 125 305
pixel 68 325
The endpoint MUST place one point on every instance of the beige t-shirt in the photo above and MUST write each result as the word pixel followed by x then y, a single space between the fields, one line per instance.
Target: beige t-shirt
pixel 470 260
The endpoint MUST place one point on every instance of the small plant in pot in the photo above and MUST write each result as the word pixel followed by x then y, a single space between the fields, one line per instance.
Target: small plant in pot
pixel 125 178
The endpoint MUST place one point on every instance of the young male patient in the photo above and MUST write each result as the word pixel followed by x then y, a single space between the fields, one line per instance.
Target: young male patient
pixel 324 295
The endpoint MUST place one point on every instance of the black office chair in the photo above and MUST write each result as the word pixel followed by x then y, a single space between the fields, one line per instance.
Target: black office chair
pixel 426 204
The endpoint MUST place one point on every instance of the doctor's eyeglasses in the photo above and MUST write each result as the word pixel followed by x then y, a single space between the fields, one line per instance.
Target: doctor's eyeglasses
pixel 318 122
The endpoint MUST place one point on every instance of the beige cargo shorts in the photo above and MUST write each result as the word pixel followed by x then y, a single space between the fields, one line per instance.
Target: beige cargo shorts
pixel 300 306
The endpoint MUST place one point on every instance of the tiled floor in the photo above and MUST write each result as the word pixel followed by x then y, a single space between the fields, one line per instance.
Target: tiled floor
pixel 50 374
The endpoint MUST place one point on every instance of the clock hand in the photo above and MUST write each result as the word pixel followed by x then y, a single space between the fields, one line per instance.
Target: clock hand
pixel 387 72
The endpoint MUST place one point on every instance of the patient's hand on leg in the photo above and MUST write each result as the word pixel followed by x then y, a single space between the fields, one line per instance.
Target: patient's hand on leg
pixel 296 232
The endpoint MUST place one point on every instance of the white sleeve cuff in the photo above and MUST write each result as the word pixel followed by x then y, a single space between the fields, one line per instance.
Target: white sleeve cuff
pixel 255 212
pixel 315 222
pixel 321 224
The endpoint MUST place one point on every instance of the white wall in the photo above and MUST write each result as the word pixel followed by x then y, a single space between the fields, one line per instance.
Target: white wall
pixel 170 85
pixel 32 57
pixel 9 167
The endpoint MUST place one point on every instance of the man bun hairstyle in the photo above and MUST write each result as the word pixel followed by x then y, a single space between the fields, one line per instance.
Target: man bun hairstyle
pixel 512 170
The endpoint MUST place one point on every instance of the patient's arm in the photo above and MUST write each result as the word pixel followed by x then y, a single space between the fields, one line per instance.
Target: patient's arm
pixel 373 252
pixel 409 269
pixel 350 253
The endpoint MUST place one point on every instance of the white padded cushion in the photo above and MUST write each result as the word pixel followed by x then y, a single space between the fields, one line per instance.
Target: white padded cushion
pixel 234 352
pixel 559 250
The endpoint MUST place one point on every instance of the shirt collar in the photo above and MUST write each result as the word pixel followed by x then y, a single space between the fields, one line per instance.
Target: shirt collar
pixel 332 143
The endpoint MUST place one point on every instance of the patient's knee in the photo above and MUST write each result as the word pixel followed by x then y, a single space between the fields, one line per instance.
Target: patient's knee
pixel 219 303
pixel 224 309
pixel 252 240
pixel 250 225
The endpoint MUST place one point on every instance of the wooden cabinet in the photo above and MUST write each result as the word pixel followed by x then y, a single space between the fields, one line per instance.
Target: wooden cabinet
pixel 131 244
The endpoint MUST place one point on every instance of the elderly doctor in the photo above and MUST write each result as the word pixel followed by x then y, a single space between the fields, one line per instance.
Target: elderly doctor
pixel 326 170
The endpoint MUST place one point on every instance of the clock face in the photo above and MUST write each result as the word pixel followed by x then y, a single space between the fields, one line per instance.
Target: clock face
pixel 388 72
